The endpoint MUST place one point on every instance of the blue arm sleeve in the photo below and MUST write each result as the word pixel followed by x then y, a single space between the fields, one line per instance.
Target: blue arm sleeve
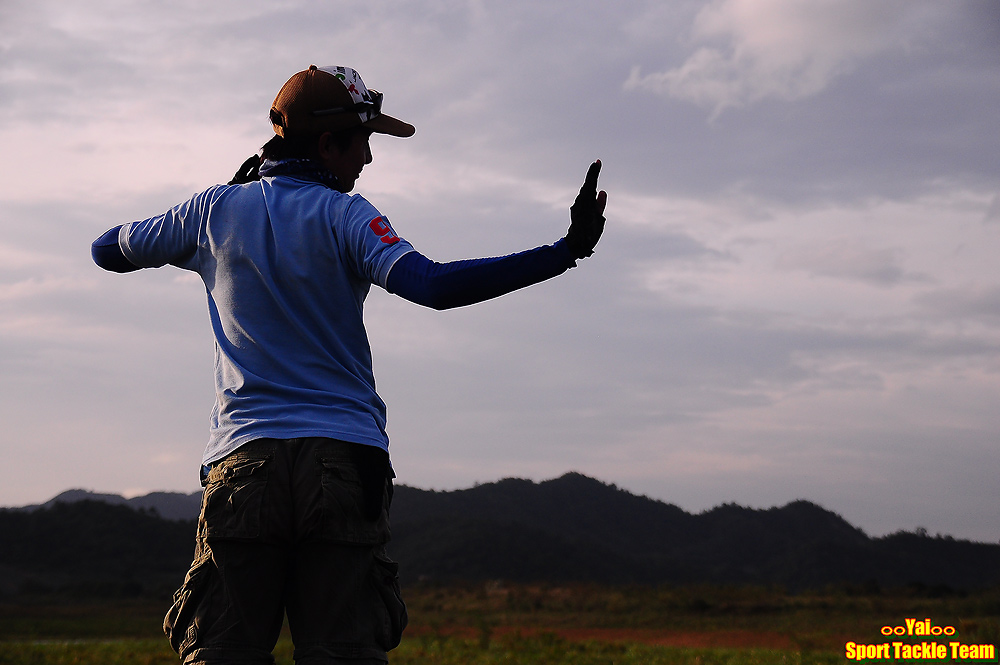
pixel 459 283
pixel 108 254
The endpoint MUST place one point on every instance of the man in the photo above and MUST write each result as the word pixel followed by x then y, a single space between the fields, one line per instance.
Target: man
pixel 296 472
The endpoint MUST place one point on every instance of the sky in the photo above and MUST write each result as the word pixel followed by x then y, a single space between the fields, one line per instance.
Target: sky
pixel 797 295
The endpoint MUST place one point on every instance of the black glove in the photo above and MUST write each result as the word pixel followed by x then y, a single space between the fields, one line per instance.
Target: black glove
pixel 587 216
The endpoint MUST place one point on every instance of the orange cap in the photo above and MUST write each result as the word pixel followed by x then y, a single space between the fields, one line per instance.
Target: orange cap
pixel 330 99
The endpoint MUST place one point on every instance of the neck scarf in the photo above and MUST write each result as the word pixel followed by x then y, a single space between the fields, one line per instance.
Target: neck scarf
pixel 302 169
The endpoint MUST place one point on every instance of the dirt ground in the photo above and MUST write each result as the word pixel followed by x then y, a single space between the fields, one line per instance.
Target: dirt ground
pixel 735 639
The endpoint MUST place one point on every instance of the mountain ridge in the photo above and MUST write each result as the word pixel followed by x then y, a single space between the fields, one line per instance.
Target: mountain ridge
pixel 564 530
pixel 168 505
pixel 614 536
pixel 173 505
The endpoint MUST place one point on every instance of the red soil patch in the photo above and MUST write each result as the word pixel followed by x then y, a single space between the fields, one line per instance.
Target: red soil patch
pixel 736 639
pixel 731 639
pixel 722 638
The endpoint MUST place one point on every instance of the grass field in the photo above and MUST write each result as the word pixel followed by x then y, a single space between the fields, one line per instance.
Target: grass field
pixel 543 649
pixel 496 623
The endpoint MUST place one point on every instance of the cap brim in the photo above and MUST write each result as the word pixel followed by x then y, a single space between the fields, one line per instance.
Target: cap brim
pixel 386 124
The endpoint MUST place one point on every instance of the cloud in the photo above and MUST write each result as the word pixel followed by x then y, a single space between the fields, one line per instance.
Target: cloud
pixel 782 295
pixel 964 304
pixel 846 259
pixel 780 49
pixel 993 212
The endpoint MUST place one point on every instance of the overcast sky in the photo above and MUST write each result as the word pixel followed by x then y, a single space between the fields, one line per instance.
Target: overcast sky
pixel 797 295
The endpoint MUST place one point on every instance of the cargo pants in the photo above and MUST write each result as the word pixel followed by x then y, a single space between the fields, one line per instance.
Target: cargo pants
pixel 296 527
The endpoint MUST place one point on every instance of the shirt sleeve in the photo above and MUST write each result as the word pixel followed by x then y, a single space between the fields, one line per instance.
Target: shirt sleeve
pixel 107 253
pixel 371 246
pixel 171 238
pixel 459 283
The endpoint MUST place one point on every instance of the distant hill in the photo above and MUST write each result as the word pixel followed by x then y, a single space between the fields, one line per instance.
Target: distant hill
pixel 91 549
pixel 575 528
pixel 569 529
pixel 168 505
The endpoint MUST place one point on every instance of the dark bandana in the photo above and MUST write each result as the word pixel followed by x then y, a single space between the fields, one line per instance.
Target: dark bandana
pixel 303 169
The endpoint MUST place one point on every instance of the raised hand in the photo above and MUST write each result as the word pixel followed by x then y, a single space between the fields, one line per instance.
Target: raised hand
pixel 587 216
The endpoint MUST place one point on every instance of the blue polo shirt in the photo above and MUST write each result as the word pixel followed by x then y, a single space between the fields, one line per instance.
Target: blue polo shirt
pixel 287 264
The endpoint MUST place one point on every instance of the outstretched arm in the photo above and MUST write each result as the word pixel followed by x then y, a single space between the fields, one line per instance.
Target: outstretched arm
pixel 459 283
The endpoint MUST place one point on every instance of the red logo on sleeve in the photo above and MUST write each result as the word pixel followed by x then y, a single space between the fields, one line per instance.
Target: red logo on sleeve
pixel 380 225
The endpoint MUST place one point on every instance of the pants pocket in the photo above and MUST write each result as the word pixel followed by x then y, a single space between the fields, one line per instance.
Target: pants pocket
pixel 234 497
pixel 344 518
pixel 392 616
pixel 181 624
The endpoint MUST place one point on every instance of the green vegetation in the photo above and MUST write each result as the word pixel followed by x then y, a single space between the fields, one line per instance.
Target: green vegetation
pixel 545 649
pixel 549 649
pixel 548 624
pixel 107 652
pixel 751 616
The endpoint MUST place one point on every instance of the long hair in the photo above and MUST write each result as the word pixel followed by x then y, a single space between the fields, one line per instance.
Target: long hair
pixel 296 146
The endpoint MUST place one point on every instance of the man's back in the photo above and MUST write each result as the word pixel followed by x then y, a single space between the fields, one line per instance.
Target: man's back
pixel 287 264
